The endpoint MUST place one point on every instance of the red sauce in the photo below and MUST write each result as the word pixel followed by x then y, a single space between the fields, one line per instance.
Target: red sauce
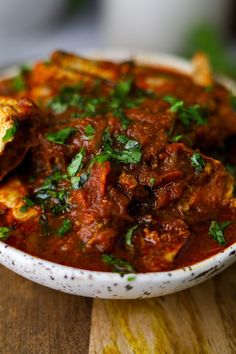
pixel 123 177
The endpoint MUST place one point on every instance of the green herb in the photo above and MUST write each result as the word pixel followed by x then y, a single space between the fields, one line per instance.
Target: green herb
pixel 76 163
pixel 119 113
pixel 10 133
pixel 152 181
pixel 175 103
pixel 187 115
pixel 216 230
pixel 177 138
pixel 197 162
pixel 123 88
pixel 28 204
pixel 78 181
pixel 50 196
pixel 25 69
pixel 119 265
pixel 61 136
pixel 129 235
pixel 89 131
pixel 18 83
pixel 233 102
pixel 66 227
pixel 68 97
pixel 131 278
pixel 4 233
pixel 129 154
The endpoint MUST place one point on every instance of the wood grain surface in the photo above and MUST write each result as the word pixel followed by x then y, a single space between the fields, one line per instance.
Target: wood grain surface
pixel 194 321
pixel 35 320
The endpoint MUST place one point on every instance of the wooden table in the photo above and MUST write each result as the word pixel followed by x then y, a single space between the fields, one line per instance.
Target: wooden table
pixel 35 320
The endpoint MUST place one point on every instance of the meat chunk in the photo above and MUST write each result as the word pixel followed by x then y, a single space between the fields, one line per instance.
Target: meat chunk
pixel 20 121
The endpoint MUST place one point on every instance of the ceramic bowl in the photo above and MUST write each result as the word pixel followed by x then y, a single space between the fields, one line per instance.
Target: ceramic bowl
pixel 112 285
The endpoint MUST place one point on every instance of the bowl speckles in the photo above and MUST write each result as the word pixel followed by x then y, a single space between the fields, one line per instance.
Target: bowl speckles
pixel 111 285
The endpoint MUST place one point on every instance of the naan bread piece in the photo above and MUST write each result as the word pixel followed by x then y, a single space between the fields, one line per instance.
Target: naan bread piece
pixel 103 69
pixel 20 121
pixel 12 194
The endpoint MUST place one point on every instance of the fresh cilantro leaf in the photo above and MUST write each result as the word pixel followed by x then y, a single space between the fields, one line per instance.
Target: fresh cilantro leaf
pixel 28 204
pixel 119 113
pixel 76 163
pixel 197 162
pixel 216 230
pixel 152 181
pixel 68 97
pixel 18 83
pixel 129 235
pixel 187 115
pixel 177 138
pixel 175 103
pixel 10 132
pixel 123 88
pixel 119 265
pixel 4 233
pixel 78 181
pixel 66 227
pixel 61 136
pixel 233 102
pixel 132 156
pixel 89 131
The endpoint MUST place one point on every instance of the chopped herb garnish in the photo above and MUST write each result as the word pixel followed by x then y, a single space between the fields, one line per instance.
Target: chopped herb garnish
pixel 61 136
pixel 28 204
pixel 197 162
pixel 68 97
pixel 123 88
pixel 119 265
pixel 18 83
pixel 177 138
pixel 78 181
pixel 4 233
pixel 51 196
pixel 187 115
pixel 129 154
pixel 131 278
pixel 66 227
pixel 216 230
pixel 152 181
pixel 129 235
pixel 76 163
pixel 233 102
pixel 10 133
pixel 89 131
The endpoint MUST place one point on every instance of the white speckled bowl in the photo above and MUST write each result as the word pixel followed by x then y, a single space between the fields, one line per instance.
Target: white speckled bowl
pixel 111 285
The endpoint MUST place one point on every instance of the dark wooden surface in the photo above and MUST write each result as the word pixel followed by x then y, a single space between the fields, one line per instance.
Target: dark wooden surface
pixel 35 320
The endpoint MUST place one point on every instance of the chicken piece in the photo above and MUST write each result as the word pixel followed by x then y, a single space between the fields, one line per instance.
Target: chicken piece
pixel 202 74
pixel 12 195
pixel 20 121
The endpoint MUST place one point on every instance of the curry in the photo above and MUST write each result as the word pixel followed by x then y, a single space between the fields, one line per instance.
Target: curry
pixel 117 166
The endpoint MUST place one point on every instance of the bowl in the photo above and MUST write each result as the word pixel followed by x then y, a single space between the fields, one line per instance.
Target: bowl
pixel 107 285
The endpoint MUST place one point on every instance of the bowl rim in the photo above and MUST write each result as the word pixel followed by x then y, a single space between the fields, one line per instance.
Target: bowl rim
pixel 200 267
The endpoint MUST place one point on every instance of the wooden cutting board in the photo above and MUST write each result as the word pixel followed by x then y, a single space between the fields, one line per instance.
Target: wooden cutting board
pixel 35 320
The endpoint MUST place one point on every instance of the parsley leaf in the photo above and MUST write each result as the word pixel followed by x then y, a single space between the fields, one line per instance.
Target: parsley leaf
pixel 10 132
pixel 28 204
pixel 4 233
pixel 129 154
pixel 187 115
pixel 233 102
pixel 119 265
pixel 216 230
pixel 89 131
pixel 152 181
pixel 66 227
pixel 78 181
pixel 123 88
pixel 61 136
pixel 177 138
pixel 129 235
pixel 197 162
pixel 76 163
pixel 18 83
